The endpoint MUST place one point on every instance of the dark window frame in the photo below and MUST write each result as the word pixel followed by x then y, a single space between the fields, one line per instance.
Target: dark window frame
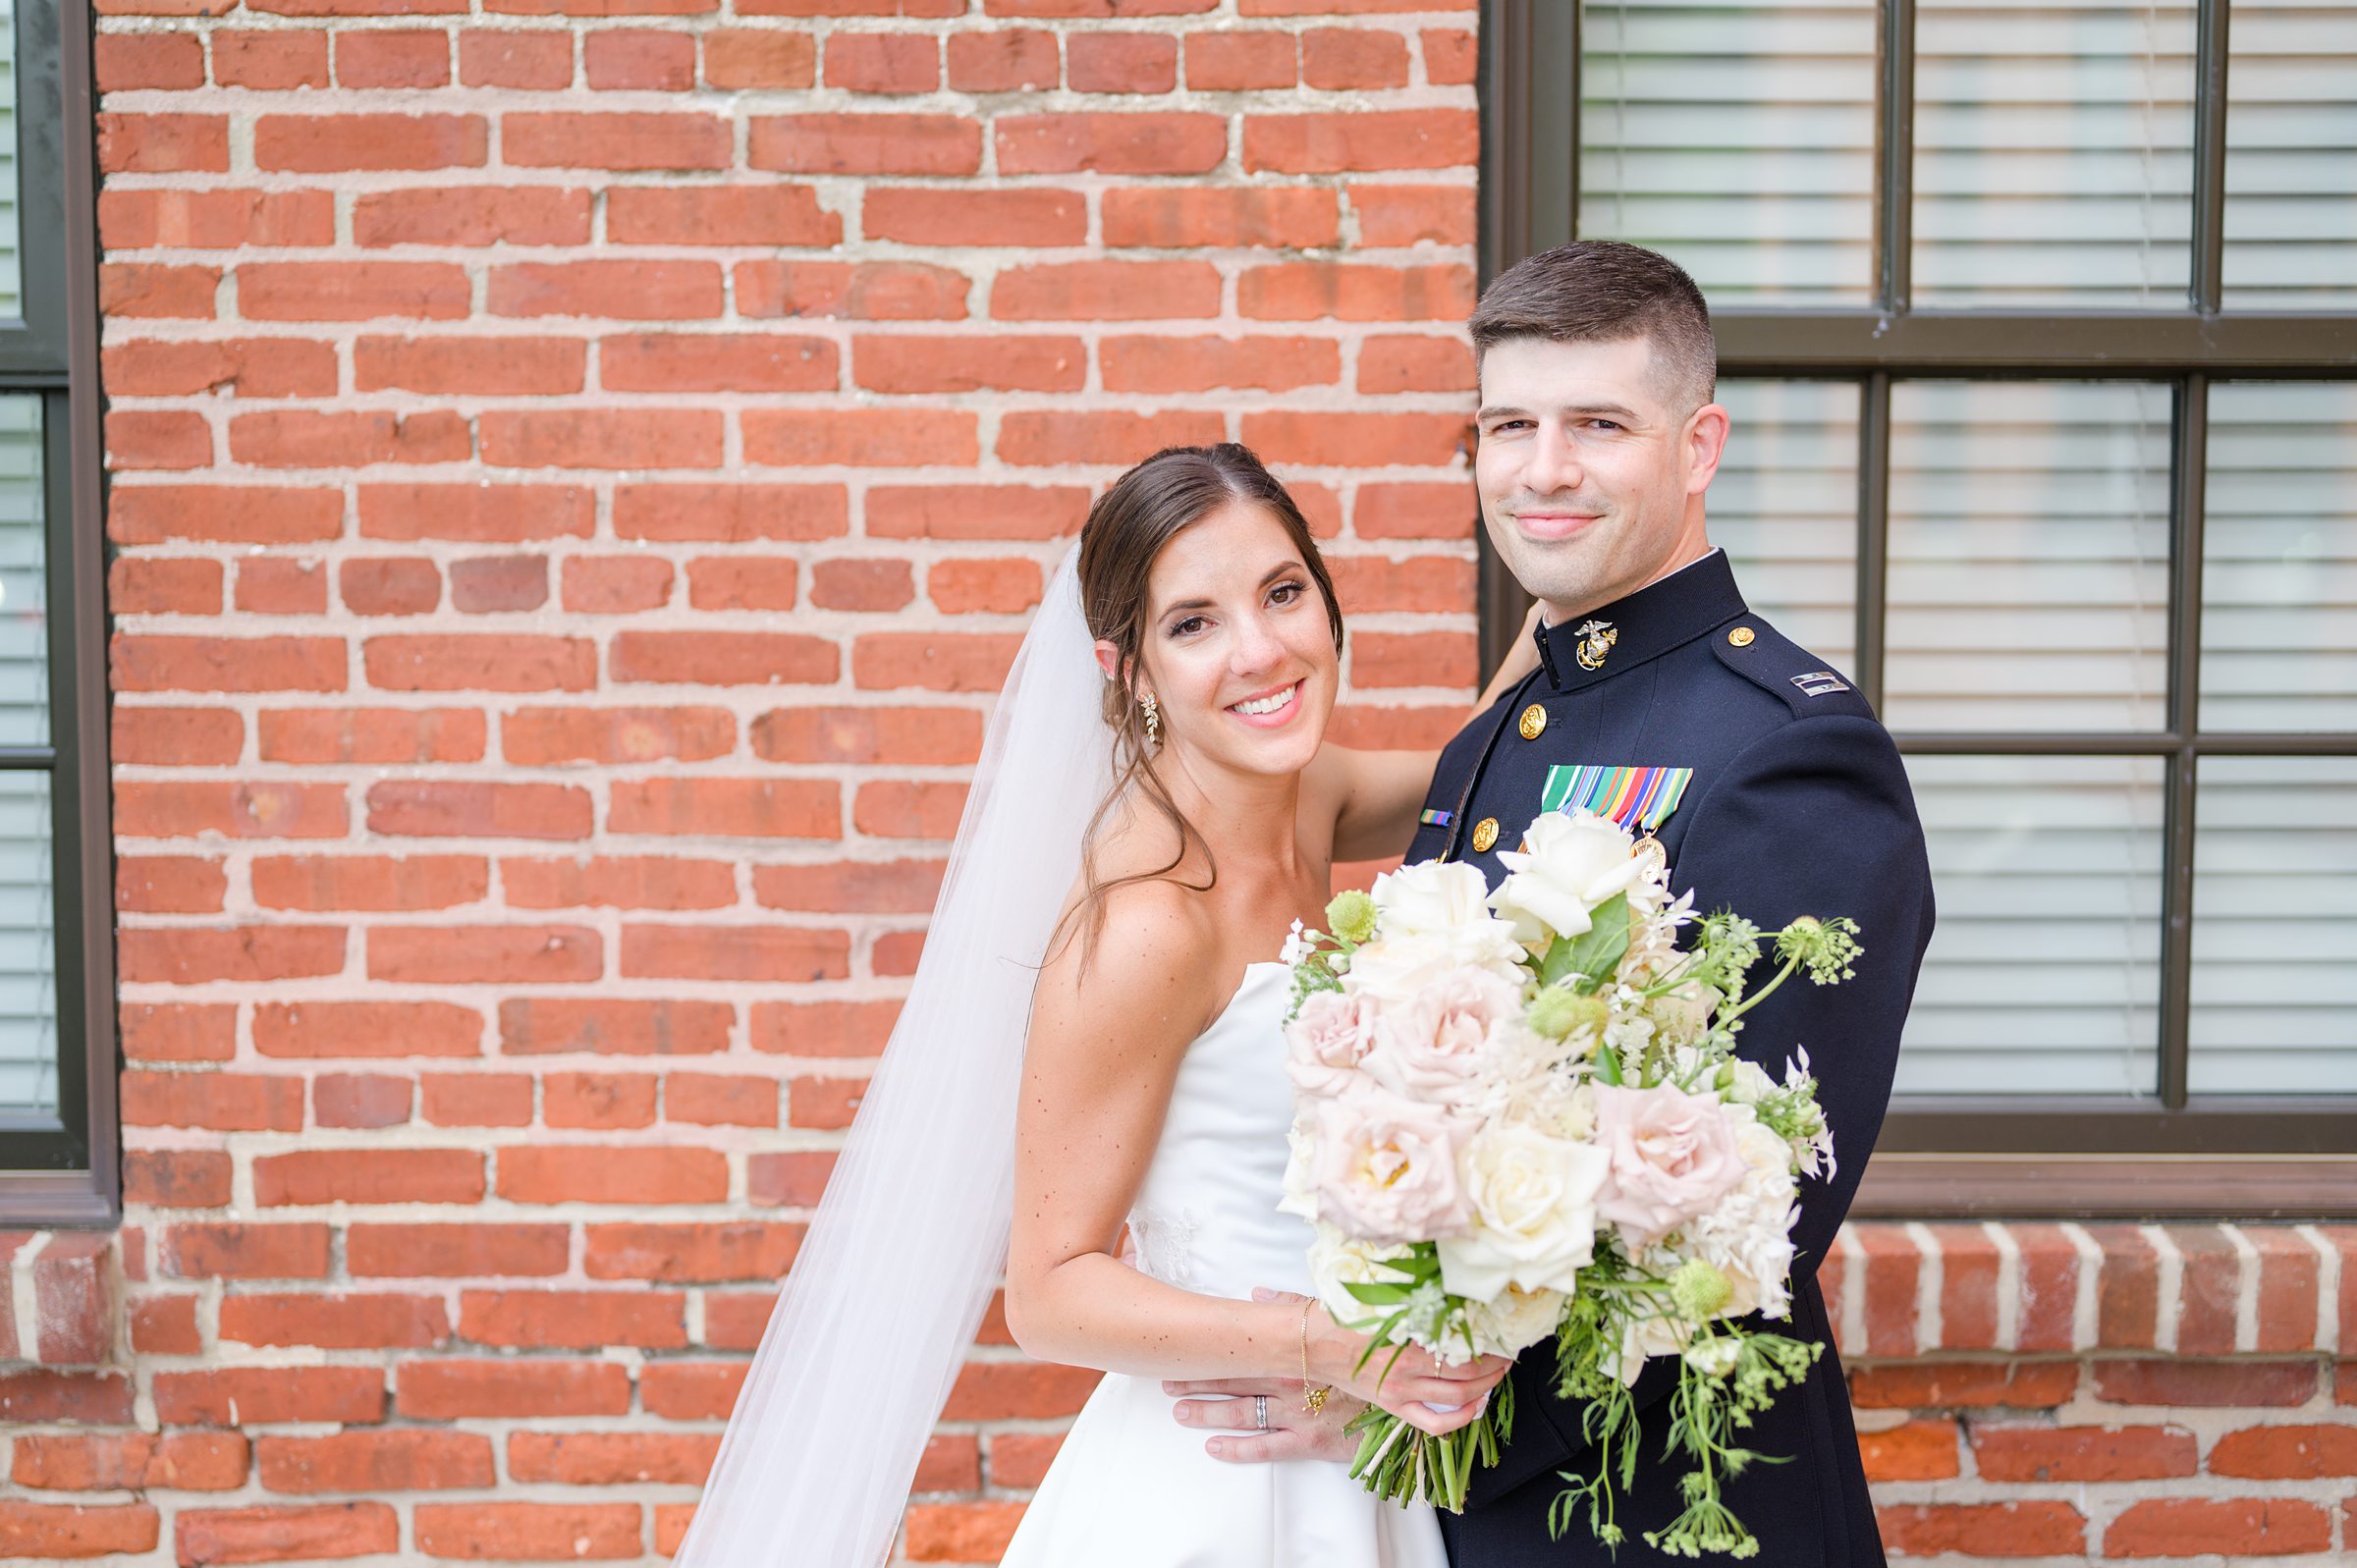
pixel 67 1172
pixel 2170 1152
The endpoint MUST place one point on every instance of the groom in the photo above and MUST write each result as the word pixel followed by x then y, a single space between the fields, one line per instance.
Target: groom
pixel 1761 770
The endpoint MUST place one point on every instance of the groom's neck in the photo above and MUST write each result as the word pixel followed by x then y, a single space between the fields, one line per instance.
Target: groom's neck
pixel 1557 611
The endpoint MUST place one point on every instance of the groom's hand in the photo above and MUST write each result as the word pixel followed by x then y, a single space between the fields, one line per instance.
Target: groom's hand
pixel 1223 1405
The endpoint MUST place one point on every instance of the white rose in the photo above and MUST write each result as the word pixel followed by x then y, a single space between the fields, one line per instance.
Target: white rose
pixel 1336 1261
pixel 1430 897
pixel 1752 1083
pixel 1534 1214
pixel 1513 1322
pixel 1566 866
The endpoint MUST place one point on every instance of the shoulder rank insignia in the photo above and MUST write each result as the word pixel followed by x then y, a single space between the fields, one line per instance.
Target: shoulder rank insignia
pixel 1639 799
pixel 1596 639
pixel 1820 683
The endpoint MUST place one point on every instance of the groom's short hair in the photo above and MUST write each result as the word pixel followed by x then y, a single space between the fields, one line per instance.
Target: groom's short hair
pixel 1606 291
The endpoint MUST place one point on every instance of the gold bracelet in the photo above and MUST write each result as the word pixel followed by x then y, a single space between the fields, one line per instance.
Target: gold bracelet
pixel 1313 1399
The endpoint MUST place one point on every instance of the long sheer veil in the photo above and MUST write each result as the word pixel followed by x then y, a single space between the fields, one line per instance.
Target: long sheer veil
pixel 893 1278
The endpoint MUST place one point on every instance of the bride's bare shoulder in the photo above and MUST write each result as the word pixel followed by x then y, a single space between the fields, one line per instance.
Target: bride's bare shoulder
pixel 1140 954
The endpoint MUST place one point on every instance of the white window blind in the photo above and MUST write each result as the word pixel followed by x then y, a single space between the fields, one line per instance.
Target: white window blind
pixel 2044 973
pixel 11 272
pixel 28 948
pixel 1737 138
pixel 1784 507
pixel 27 903
pixel 2054 152
pixel 2028 576
pixel 2275 927
pixel 23 601
pixel 2280 559
pixel 2291 155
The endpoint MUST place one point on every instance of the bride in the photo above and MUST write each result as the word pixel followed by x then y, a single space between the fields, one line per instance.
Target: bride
pixel 1092 1043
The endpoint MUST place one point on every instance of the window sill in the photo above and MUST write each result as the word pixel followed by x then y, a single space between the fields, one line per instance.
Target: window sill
pixel 1911 1184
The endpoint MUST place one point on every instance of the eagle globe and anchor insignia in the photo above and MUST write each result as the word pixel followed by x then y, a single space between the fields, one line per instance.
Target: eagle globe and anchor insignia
pixel 1596 639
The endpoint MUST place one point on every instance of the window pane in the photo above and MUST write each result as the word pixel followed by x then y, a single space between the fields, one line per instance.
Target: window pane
pixel 2044 974
pixel 28 948
pixel 23 619
pixel 2291 156
pixel 2279 558
pixel 2274 922
pixel 1736 138
pixel 1784 507
pixel 2054 152
pixel 11 277
pixel 2028 584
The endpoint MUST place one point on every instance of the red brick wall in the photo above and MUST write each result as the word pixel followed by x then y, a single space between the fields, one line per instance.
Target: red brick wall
pixel 579 468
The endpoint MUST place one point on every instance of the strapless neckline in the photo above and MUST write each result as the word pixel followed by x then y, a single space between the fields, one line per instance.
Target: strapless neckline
pixel 1243 988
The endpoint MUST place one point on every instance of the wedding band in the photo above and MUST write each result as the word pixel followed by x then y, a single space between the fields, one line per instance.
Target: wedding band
pixel 1260 1411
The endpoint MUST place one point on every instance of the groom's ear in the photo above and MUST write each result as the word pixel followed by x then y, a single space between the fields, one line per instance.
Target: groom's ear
pixel 1706 443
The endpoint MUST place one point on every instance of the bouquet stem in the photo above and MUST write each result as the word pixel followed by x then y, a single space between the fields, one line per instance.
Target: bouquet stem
pixel 1403 1465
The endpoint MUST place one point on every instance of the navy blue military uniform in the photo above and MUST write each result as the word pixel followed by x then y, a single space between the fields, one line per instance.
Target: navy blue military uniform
pixel 1797 804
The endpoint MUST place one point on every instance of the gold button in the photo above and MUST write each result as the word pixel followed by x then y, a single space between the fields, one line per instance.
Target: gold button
pixel 1485 834
pixel 1534 721
pixel 1741 636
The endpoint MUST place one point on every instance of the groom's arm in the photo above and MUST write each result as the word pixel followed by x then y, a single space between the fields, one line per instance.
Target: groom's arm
pixel 1815 818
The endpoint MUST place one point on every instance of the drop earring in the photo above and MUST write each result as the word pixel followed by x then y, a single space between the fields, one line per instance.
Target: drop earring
pixel 1153 720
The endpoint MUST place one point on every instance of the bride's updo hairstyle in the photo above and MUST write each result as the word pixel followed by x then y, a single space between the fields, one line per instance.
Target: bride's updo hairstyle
pixel 1145 510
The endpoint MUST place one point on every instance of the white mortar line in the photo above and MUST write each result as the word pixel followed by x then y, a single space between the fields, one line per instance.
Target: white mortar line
pixel 22 1299
pixel 2328 1288
pixel 2169 1286
pixel 2166 1288
pixel 2009 1283
pixel 2246 1291
pixel 1930 1273
pixel 2085 1317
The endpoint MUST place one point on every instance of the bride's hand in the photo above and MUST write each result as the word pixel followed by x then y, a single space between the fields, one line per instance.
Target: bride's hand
pixel 1408 1387
pixel 1225 1405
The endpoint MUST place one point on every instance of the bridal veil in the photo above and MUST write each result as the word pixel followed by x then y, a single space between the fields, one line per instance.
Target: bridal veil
pixel 891 1281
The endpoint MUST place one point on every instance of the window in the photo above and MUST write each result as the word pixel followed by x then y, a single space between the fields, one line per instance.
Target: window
pixel 58 1157
pixel 2039 329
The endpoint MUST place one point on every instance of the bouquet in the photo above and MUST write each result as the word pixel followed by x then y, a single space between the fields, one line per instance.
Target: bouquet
pixel 1519 1114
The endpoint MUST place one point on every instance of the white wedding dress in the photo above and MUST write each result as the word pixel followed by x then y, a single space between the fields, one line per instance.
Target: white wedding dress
pixel 1130 1486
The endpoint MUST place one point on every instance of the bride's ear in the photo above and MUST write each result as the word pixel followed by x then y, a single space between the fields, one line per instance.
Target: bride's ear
pixel 1109 660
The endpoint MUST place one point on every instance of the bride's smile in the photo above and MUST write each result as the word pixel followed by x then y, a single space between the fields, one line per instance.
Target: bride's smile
pixel 1269 711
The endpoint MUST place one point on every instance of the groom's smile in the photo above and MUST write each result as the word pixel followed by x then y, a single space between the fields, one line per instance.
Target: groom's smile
pixel 1552 524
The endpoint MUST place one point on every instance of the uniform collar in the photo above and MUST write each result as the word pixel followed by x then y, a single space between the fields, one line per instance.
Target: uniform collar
pixel 1666 613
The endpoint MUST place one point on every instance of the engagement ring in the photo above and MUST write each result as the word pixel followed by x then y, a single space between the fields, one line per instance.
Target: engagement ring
pixel 1260 1411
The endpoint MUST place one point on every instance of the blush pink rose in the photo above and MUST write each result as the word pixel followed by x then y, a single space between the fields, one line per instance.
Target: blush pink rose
pixel 1436 1044
pixel 1674 1158
pixel 1386 1168
pixel 1325 1043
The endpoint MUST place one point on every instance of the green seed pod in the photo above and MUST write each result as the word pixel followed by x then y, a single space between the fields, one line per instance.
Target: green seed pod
pixel 1352 916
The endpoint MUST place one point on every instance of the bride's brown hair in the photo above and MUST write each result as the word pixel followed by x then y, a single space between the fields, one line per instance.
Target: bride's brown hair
pixel 1149 506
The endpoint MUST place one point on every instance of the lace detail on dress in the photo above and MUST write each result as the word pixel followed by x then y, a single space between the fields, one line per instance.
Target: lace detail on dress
pixel 1165 1246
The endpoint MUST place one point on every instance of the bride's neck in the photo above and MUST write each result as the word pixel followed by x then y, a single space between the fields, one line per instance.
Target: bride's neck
pixel 1248 815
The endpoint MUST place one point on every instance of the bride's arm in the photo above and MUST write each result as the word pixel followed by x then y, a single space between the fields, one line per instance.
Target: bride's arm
pixel 1377 794
pixel 1103 1055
